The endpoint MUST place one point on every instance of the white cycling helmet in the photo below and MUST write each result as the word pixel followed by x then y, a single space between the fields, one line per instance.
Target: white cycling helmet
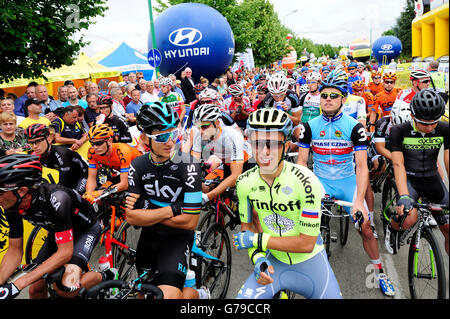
pixel 235 90
pixel 291 81
pixel 208 94
pixel 207 113
pixel 304 88
pixel 419 74
pixel 400 112
pixel 313 76
pixel 277 83
pixel 165 81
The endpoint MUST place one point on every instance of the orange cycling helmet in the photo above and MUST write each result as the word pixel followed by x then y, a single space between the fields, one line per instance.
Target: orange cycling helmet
pixel 390 75
pixel 100 132
pixel 376 73
pixel 358 84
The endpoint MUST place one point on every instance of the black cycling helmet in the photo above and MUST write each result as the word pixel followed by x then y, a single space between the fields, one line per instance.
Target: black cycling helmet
pixel 19 170
pixel 156 116
pixel 104 99
pixel 427 105
pixel 35 131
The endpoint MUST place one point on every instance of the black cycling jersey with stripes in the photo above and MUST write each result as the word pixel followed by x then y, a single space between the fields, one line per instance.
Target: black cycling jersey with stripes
pixel 420 150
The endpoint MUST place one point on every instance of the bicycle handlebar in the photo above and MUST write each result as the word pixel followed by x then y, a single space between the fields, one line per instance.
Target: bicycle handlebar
pixel 332 201
pixel 150 289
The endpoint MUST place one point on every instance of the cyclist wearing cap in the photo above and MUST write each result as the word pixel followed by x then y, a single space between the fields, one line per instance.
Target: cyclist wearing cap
pixel 385 99
pixel 238 105
pixel 165 200
pixel 117 124
pixel 216 141
pixel 71 166
pixel 415 148
pixel 310 101
pixel 173 99
pixel 301 79
pixel 280 97
pixel 282 236
pixel 352 76
pixel 375 86
pixel 336 139
pixel 72 226
pixel 104 152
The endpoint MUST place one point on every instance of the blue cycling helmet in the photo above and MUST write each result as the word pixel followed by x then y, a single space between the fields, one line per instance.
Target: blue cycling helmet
pixel 337 79
pixel 304 69
pixel 353 65
pixel 270 120
pixel 156 116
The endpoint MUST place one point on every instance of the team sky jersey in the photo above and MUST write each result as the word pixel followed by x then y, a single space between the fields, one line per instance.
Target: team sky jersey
pixel 406 95
pixel 229 146
pixel 352 79
pixel 175 182
pixel 174 100
pixel 311 106
pixel 291 101
pixel 120 159
pixel 375 88
pixel 56 208
pixel 70 164
pixel 120 128
pixel 385 100
pixel 382 131
pixel 291 206
pixel 230 106
pixel 355 106
pixel 333 143
pixel 420 151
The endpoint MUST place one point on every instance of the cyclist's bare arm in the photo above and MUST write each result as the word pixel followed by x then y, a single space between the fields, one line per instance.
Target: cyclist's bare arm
pixel 382 150
pixel 183 221
pixel 11 260
pixel 91 183
pixel 230 181
pixel 400 173
pixel 303 154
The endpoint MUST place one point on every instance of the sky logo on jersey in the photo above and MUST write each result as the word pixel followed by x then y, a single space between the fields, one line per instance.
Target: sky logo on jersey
pixel 310 214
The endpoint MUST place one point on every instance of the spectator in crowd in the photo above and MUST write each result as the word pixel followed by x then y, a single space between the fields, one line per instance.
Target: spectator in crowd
pixel 149 96
pixel 112 85
pixel 117 124
pixel 135 103
pixel 68 131
pixel 82 93
pixel 7 105
pixel 12 139
pixel 33 110
pixel 103 87
pixel 125 78
pixel 230 78
pixel 175 88
pixel 156 87
pixel 48 105
pixel 215 85
pixel 73 98
pixel 132 79
pixel 187 86
pixel 123 87
pixel 30 93
pixel 93 88
pixel 374 65
pixel 142 86
pixel 118 108
pixel 127 98
pixel 92 111
pixel 139 76
pixel 63 96
pixel 81 111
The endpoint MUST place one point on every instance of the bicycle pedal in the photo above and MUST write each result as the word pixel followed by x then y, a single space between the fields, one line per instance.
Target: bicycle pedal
pixel 333 237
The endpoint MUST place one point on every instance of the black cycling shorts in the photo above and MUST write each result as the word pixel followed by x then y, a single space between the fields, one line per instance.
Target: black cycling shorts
pixel 82 247
pixel 434 190
pixel 165 254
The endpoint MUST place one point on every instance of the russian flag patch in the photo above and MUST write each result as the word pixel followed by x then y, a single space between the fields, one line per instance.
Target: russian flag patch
pixel 310 214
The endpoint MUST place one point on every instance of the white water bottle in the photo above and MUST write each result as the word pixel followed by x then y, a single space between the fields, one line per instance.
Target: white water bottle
pixel 101 119
pixel 190 279
pixel 103 264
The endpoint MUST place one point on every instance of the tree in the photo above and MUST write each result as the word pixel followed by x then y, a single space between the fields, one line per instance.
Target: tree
pixel 37 35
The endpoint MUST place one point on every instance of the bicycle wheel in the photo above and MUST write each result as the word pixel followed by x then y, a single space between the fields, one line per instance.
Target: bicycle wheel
pixel 208 220
pixel 124 259
pixel 35 241
pixel 344 220
pixel 213 274
pixel 325 233
pixel 426 271
pixel 388 197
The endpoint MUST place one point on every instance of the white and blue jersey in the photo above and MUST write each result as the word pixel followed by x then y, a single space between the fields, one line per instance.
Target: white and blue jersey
pixel 333 142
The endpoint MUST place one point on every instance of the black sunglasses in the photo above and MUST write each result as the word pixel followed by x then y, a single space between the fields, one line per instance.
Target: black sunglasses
pixel 98 143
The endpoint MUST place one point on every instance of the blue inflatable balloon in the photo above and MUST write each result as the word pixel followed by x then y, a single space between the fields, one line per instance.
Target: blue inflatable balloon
pixel 386 48
pixel 193 35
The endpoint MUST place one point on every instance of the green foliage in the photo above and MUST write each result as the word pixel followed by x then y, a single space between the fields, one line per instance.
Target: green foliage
pixel 37 35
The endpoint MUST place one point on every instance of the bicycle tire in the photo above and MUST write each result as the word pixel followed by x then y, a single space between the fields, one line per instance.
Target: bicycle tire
pixel 325 232
pixel 209 219
pixel 215 243
pixel 123 262
pixel 344 220
pixel 417 292
pixel 388 197
pixel 34 244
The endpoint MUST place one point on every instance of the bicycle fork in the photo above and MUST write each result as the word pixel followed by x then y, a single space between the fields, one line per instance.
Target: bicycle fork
pixel 417 248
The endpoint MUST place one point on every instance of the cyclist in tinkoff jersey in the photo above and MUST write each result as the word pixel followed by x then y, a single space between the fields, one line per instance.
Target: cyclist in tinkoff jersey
pixel 165 200
pixel 117 156
pixel 283 236
pixel 415 148
pixel 336 139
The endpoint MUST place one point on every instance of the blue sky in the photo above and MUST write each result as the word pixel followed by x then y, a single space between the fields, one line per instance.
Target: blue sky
pixel 337 22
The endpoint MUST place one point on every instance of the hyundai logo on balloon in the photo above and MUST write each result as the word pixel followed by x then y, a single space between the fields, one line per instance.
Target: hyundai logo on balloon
pixel 386 47
pixel 185 37
pixel 193 35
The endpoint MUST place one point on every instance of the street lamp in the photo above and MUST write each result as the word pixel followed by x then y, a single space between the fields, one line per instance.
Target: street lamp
pixel 284 19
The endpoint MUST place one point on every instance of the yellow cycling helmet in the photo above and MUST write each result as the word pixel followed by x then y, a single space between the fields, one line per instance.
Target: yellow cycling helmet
pixel 270 120
pixel 375 73
pixel 100 132
pixel 358 84
pixel 390 75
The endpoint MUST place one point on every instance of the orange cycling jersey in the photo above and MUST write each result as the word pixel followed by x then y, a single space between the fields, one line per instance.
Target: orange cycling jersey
pixel 375 89
pixel 385 100
pixel 369 99
pixel 120 158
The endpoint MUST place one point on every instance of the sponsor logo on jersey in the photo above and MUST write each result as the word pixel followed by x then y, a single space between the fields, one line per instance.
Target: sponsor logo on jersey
pixel 338 133
pixel 310 214
pixel 322 133
pixel 278 223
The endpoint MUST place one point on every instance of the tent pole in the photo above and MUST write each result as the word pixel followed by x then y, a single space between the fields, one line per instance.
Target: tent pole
pixel 152 29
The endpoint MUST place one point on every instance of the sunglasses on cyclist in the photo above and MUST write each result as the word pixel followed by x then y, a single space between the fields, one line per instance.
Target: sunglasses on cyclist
pixel 377 77
pixel 389 82
pixel 98 143
pixel 207 102
pixel 269 144
pixel 332 96
pixel 311 82
pixel 164 137
pixel 351 69
pixel 425 81
pixel 36 141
